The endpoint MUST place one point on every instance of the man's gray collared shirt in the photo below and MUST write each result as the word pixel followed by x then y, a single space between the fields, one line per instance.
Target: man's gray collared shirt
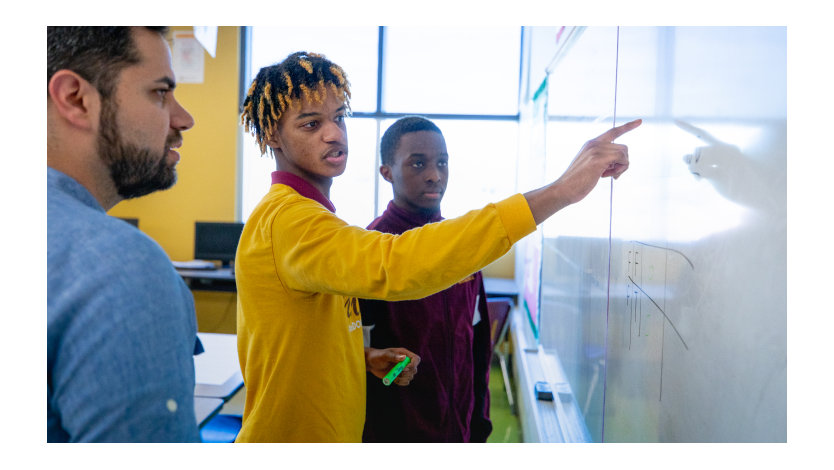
pixel 121 329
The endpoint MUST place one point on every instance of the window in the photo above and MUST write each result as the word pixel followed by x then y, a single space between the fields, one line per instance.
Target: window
pixel 354 49
pixel 452 70
pixel 464 79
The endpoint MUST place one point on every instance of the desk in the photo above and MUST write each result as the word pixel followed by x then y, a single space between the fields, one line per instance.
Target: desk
pixel 206 408
pixel 217 369
pixel 220 279
pixel 499 287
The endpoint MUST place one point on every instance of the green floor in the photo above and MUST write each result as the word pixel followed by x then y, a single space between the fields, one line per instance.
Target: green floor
pixel 505 425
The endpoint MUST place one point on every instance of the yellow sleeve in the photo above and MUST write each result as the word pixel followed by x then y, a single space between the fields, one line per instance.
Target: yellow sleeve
pixel 315 251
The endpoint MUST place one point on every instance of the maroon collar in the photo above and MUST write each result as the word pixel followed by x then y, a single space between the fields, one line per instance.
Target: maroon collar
pixel 413 219
pixel 302 187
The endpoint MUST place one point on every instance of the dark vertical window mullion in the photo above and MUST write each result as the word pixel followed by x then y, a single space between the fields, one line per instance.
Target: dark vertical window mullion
pixel 244 78
pixel 245 64
pixel 521 74
pixel 380 62
pixel 379 69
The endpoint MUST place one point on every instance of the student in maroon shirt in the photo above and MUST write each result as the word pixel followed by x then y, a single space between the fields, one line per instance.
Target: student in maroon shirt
pixel 448 400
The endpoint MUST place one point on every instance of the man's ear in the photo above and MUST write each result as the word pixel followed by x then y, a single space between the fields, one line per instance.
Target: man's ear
pixel 74 99
pixel 274 141
pixel 385 171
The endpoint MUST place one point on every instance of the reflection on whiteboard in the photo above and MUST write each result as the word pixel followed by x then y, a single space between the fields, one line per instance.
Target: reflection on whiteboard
pixel 531 175
pixel 532 275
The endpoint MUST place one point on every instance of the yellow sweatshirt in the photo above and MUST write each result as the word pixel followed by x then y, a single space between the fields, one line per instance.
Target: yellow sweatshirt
pixel 299 270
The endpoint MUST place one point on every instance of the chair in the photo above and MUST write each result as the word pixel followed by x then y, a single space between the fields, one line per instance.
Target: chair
pixel 499 313
pixel 221 429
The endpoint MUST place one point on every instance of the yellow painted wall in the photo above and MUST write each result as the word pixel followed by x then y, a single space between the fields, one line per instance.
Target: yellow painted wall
pixel 207 173
pixel 503 267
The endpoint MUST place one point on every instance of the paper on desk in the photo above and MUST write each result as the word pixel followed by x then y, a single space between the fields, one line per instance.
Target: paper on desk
pixel 194 264
pixel 219 362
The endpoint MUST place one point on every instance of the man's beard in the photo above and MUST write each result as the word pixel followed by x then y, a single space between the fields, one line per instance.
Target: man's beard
pixel 135 171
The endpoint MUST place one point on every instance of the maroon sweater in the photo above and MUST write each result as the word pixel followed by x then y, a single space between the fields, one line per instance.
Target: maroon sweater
pixel 448 400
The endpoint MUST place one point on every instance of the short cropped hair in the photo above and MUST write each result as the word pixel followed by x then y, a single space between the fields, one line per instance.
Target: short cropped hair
pixel 281 86
pixel 96 53
pixel 391 139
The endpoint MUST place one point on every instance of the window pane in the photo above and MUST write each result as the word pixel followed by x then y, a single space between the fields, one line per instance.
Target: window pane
pixel 753 55
pixel 354 49
pixel 481 170
pixel 583 83
pixel 255 178
pixel 451 70
pixel 353 192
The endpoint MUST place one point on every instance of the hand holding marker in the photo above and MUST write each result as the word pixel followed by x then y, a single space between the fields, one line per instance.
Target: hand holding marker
pixel 395 371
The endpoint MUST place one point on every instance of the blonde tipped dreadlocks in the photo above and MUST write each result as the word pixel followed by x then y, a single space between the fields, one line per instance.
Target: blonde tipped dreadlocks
pixel 276 88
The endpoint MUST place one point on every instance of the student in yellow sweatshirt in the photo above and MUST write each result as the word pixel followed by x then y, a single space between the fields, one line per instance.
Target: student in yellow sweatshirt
pixel 300 269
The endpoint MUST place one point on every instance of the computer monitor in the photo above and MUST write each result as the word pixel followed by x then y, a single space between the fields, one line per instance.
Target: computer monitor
pixel 216 240
pixel 131 220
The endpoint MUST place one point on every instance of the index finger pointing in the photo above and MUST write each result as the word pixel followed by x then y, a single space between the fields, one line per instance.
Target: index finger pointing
pixel 611 134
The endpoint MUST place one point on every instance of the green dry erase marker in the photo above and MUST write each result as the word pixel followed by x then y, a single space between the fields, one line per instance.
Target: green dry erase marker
pixel 391 376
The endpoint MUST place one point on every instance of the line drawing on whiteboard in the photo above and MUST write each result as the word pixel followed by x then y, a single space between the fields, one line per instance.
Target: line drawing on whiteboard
pixel 668 249
pixel 661 311
pixel 634 305
pixel 634 269
pixel 638 288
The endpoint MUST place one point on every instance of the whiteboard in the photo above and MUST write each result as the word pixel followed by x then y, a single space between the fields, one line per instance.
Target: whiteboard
pixel 664 293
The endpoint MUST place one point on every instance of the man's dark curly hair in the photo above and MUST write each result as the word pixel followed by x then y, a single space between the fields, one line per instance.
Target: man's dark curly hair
pixel 279 87
pixel 96 53
pixel 391 137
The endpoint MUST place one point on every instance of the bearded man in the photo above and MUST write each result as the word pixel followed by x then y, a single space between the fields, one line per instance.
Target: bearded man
pixel 121 328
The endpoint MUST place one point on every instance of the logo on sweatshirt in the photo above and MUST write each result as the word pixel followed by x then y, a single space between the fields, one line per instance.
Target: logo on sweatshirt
pixel 352 306
pixel 352 309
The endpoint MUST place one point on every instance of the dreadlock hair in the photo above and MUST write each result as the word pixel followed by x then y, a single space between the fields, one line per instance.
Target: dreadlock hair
pixel 96 53
pixel 391 138
pixel 282 86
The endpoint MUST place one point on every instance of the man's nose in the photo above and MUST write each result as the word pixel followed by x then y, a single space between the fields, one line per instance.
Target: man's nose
pixel 334 132
pixel 180 118
pixel 433 174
